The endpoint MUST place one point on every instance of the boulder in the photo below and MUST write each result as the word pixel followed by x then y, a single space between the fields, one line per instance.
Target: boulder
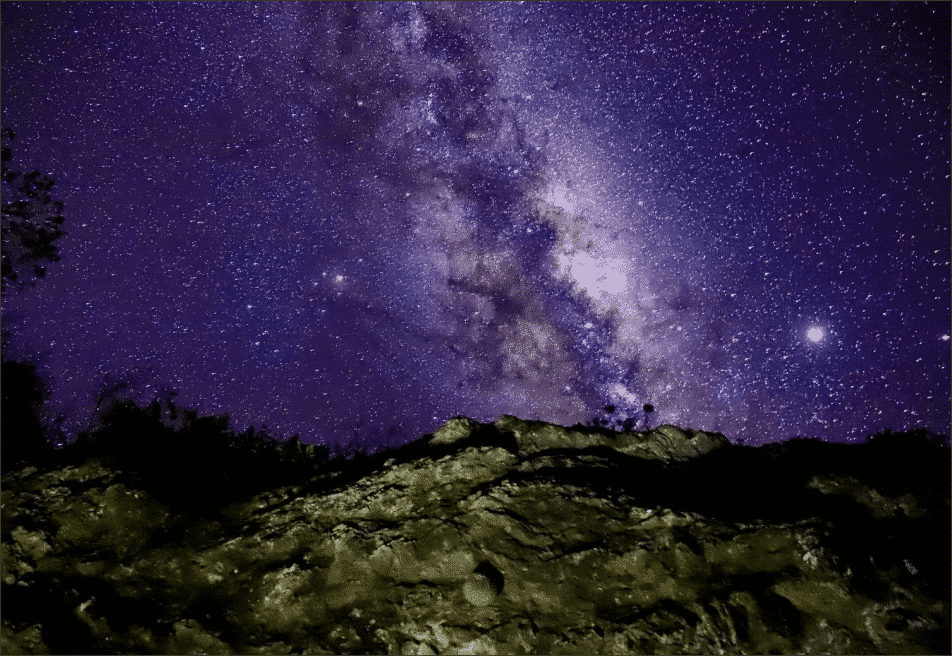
pixel 454 430
pixel 671 443
pixel 516 537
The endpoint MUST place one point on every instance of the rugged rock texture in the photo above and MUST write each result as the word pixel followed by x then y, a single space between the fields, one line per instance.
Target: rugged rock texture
pixel 516 537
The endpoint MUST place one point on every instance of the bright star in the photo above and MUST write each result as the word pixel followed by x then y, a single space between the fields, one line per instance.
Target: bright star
pixel 815 334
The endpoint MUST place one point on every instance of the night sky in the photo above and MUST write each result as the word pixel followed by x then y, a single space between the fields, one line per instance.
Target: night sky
pixel 313 215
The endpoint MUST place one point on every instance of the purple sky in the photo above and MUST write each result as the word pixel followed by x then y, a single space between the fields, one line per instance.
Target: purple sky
pixel 309 215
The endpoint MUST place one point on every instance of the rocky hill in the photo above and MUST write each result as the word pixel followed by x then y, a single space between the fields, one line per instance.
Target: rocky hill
pixel 517 537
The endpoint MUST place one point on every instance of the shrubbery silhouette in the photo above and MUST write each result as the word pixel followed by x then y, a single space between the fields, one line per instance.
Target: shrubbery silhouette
pixel 193 463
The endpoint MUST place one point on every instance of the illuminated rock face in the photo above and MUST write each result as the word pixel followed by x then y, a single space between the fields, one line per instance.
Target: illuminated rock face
pixel 516 537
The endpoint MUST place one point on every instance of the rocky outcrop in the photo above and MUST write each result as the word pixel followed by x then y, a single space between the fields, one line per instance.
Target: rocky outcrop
pixel 517 537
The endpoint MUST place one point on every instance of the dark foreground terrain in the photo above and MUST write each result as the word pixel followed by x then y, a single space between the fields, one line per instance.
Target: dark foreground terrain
pixel 516 537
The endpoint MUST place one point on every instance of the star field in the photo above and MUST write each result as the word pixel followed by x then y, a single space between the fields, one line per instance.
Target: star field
pixel 325 217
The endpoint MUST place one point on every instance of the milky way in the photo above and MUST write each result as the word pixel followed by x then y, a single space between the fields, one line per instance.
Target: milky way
pixel 328 217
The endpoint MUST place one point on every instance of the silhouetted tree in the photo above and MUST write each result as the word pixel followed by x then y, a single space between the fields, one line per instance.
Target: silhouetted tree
pixel 125 435
pixel 395 436
pixel 648 408
pixel 24 392
pixel 114 390
pixel 31 221
pixel 354 448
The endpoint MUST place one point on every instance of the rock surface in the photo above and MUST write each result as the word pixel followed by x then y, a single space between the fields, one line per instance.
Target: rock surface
pixel 517 537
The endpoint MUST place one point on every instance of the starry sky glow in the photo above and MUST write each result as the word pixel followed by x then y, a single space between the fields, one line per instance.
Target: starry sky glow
pixel 314 215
